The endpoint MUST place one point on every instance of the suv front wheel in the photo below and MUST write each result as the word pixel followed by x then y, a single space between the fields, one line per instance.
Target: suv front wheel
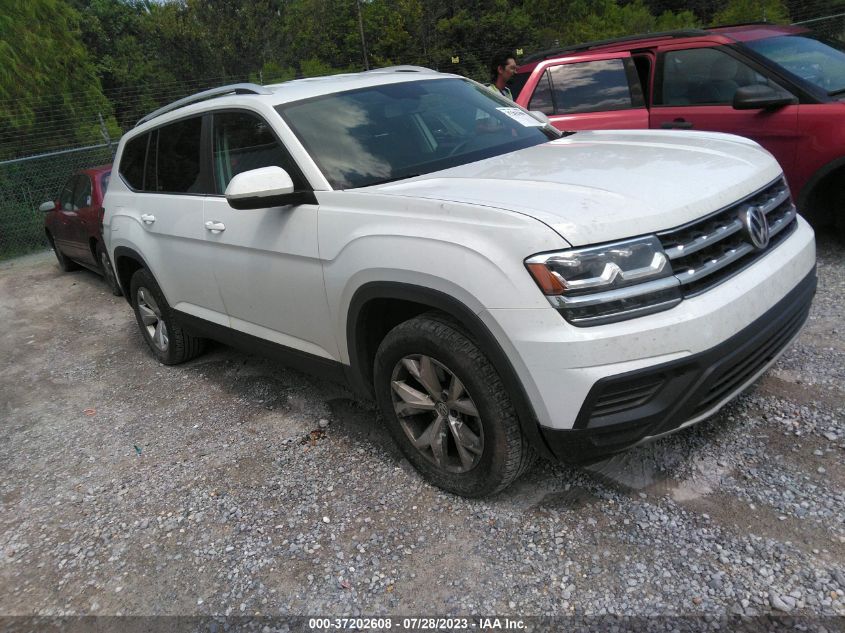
pixel 161 330
pixel 447 408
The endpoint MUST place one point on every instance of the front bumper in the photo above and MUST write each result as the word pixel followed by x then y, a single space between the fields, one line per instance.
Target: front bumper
pixel 626 409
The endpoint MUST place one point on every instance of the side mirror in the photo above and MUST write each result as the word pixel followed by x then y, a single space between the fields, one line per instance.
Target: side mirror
pixel 260 188
pixel 762 97
pixel 542 117
pixel 47 206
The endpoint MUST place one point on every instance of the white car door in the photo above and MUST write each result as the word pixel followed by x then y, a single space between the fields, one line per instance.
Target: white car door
pixel 266 261
pixel 171 183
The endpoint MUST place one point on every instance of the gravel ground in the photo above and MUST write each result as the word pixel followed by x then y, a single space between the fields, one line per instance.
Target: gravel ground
pixel 232 486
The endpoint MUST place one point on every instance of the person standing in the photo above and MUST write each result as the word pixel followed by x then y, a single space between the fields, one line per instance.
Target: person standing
pixel 502 70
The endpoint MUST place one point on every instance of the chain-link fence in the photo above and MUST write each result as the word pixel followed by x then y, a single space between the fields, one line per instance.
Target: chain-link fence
pixel 27 182
pixel 831 27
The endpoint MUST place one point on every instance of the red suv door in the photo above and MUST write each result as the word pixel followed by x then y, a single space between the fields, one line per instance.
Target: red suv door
pixel 694 90
pixel 587 92
pixel 85 223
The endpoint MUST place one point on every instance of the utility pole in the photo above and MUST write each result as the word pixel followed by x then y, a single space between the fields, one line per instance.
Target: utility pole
pixel 363 41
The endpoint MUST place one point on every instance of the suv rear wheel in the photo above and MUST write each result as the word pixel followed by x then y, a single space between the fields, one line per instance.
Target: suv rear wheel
pixel 161 330
pixel 447 408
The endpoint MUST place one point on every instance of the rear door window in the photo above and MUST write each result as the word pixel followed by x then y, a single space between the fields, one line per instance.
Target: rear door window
pixel 82 192
pixel 178 162
pixel 150 176
pixel 594 86
pixel 66 196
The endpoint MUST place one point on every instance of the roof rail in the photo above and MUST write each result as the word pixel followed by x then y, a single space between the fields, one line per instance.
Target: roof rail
pixel 405 68
pixel 752 23
pixel 616 40
pixel 244 88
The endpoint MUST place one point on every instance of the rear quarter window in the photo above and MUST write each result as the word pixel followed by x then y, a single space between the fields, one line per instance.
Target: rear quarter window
pixel 132 162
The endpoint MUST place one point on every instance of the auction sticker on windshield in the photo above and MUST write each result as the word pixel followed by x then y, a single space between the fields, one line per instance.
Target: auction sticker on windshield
pixel 521 117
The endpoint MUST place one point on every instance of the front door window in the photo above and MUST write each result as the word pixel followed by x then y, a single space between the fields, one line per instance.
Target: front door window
pixel 242 142
pixel 705 76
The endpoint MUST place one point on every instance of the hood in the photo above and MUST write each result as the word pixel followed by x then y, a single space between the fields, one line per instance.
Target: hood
pixel 597 186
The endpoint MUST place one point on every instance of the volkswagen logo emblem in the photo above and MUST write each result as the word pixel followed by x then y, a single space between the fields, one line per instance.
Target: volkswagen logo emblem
pixel 756 227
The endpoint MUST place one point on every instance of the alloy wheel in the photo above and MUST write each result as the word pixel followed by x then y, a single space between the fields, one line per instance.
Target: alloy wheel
pixel 151 317
pixel 437 413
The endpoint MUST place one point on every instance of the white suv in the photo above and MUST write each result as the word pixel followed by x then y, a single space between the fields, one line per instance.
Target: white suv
pixel 502 290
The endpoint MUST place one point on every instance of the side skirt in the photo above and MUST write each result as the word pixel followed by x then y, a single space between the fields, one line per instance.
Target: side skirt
pixel 308 363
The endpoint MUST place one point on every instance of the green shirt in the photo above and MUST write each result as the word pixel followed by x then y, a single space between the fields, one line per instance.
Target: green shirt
pixel 505 92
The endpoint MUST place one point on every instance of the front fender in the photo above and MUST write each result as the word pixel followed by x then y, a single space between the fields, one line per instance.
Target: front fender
pixel 468 319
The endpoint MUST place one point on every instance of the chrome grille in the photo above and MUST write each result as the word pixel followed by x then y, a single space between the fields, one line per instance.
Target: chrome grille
pixel 711 250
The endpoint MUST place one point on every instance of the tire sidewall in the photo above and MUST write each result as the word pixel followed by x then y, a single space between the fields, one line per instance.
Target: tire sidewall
pixel 482 479
pixel 143 279
pixel 65 264
pixel 107 270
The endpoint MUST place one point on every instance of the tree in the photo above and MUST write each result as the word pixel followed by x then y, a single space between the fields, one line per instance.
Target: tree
pixel 588 20
pixel 50 94
pixel 738 11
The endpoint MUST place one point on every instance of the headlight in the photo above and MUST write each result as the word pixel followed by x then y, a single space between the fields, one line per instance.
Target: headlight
pixel 612 282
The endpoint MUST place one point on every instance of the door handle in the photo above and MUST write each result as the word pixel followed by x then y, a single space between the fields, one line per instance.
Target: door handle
pixel 146 218
pixel 215 227
pixel 677 124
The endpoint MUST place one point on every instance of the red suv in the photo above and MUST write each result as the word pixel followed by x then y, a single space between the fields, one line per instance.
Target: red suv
pixel 778 85
pixel 74 224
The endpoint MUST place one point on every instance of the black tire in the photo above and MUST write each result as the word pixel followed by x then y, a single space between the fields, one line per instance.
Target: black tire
pixel 65 263
pixel 495 453
pixel 170 344
pixel 107 271
pixel 837 214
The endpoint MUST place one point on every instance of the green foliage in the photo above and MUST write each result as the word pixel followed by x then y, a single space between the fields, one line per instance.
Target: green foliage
pixel 21 230
pixel 475 36
pixel 25 185
pixel 273 73
pixel 315 68
pixel 589 20
pixel 668 21
pixel 72 60
pixel 738 11
pixel 46 78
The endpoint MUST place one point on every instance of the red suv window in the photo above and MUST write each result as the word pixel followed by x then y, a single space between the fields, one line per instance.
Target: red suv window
pixel 705 76
pixel 590 86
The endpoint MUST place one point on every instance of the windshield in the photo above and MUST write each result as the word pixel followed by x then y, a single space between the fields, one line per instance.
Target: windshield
pixel 820 63
pixel 389 132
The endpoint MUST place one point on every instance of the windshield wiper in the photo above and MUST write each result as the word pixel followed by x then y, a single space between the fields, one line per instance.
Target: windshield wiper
pixel 833 93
